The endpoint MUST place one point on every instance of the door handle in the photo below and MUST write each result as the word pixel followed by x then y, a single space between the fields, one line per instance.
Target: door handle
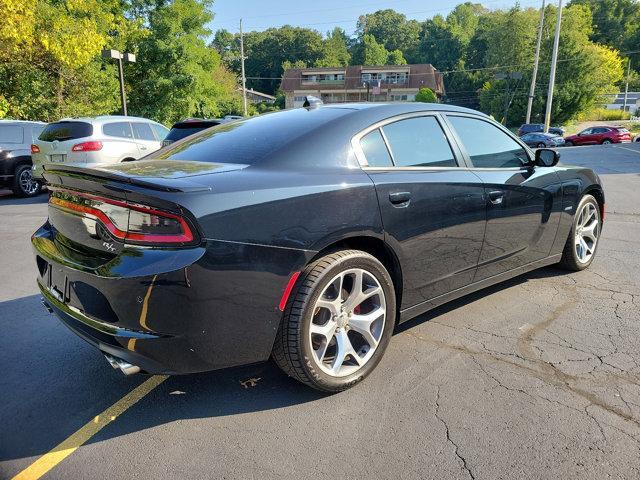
pixel 398 198
pixel 496 197
pixel 142 147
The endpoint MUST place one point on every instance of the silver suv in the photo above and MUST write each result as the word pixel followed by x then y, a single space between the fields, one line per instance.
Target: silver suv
pixel 16 137
pixel 105 139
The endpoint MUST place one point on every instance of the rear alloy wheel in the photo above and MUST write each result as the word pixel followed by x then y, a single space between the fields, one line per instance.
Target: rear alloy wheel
pixel 606 141
pixel 583 239
pixel 338 321
pixel 24 185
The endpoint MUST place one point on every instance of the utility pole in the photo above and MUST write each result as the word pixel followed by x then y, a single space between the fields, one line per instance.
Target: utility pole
pixel 626 86
pixel 534 76
pixel 552 74
pixel 244 79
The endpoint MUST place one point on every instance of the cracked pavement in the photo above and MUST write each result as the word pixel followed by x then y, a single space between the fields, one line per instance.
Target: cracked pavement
pixel 534 378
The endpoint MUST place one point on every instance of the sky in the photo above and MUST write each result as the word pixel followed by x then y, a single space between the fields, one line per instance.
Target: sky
pixel 324 15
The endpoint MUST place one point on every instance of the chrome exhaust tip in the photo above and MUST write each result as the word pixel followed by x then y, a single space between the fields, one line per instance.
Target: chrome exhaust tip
pixel 46 305
pixel 125 367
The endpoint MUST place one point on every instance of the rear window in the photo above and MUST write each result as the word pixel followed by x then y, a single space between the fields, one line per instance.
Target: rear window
pixel 178 132
pixel 11 134
pixel 248 141
pixel 62 131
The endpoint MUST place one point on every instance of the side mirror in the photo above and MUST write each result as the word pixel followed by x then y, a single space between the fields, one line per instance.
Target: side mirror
pixel 545 157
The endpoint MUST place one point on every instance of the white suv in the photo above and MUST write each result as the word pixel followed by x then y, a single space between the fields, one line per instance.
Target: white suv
pixel 105 139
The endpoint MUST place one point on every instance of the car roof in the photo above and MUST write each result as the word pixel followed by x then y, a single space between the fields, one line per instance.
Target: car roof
pixel 106 118
pixel 397 108
pixel 21 122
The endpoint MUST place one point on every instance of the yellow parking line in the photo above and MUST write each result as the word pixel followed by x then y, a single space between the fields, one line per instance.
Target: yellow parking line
pixel 52 458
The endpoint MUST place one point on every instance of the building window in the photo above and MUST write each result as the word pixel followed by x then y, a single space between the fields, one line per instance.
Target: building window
pixel 299 98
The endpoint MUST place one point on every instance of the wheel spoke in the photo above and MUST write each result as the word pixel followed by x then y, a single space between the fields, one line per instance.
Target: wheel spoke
pixel 327 330
pixel 332 305
pixel 362 325
pixel 344 349
pixel 590 231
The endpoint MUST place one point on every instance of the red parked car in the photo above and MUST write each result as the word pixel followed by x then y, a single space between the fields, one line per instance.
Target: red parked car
pixel 599 136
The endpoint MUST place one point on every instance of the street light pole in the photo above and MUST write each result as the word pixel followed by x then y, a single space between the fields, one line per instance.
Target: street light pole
pixel 244 79
pixel 534 76
pixel 127 57
pixel 552 74
pixel 123 95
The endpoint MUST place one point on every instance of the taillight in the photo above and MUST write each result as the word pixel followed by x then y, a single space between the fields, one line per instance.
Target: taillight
pixel 35 148
pixel 128 222
pixel 87 147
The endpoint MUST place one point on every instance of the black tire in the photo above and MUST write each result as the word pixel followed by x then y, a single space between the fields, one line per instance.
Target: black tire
pixel 19 188
pixel 606 141
pixel 292 349
pixel 570 259
pixel 568 143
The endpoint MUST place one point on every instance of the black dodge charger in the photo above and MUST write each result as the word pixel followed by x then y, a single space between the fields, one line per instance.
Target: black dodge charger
pixel 306 235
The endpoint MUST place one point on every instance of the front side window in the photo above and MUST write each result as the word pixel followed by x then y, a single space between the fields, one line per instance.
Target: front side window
pixel 142 131
pixel 118 129
pixel 375 150
pixel 160 130
pixel 487 145
pixel 418 142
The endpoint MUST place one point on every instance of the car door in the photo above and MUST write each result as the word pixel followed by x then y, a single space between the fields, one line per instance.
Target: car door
pixel 523 202
pixel 586 137
pixel 432 210
pixel 119 143
pixel 145 138
pixel 599 134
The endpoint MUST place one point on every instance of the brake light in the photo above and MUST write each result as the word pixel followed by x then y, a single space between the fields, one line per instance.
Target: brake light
pixel 35 148
pixel 133 223
pixel 87 147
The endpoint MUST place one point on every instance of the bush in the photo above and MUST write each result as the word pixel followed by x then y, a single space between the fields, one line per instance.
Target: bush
pixel 426 95
pixel 603 114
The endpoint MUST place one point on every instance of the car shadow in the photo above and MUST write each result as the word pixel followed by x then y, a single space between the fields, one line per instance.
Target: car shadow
pixel 8 198
pixel 54 383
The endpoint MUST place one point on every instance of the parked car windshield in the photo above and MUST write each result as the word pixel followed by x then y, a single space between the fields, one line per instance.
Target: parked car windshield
pixel 62 131
pixel 248 141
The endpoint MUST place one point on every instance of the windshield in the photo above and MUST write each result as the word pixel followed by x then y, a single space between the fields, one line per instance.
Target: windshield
pixel 248 141
pixel 62 131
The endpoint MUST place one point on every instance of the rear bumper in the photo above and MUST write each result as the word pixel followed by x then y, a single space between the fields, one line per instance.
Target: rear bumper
pixel 171 311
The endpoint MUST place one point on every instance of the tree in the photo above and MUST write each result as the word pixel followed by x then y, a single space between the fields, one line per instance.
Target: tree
pixel 370 52
pixel 335 50
pixel 178 76
pixel 396 58
pixel 426 95
pixel 391 29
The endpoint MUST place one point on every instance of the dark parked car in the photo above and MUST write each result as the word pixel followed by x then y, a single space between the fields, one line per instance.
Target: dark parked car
pixel 189 127
pixel 599 136
pixel 538 128
pixel 16 137
pixel 305 235
pixel 542 140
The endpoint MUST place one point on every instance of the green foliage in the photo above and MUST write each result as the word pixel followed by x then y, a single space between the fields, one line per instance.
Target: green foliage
pixel 396 58
pixel 370 52
pixel 335 50
pixel 426 95
pixel 391 29
pixel 603 114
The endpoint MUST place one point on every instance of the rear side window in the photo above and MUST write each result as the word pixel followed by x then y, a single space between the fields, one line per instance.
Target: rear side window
pixel 160 131
pixel 487 145
pixel 600 130
pixel 418 142
pixel 142 131
pixel 249 141
pixel 118 129
pixel 11 134
pixel 62 131
pixel 375 150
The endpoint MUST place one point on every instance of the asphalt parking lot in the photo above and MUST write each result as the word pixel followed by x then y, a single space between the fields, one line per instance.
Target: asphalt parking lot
pixel 538 377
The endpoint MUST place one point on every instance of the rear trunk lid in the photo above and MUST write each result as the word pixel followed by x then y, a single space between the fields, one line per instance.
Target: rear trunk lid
pixel 92 210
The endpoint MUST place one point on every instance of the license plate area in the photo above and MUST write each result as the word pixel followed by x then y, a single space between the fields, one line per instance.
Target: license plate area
pixel 58 158
pixel 57 283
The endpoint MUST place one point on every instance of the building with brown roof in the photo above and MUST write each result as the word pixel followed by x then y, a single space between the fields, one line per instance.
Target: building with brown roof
pixel 357 83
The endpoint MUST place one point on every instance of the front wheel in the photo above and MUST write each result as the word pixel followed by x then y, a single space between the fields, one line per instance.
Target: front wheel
pixel 583 238
pixel 24 185
pixel 337 322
